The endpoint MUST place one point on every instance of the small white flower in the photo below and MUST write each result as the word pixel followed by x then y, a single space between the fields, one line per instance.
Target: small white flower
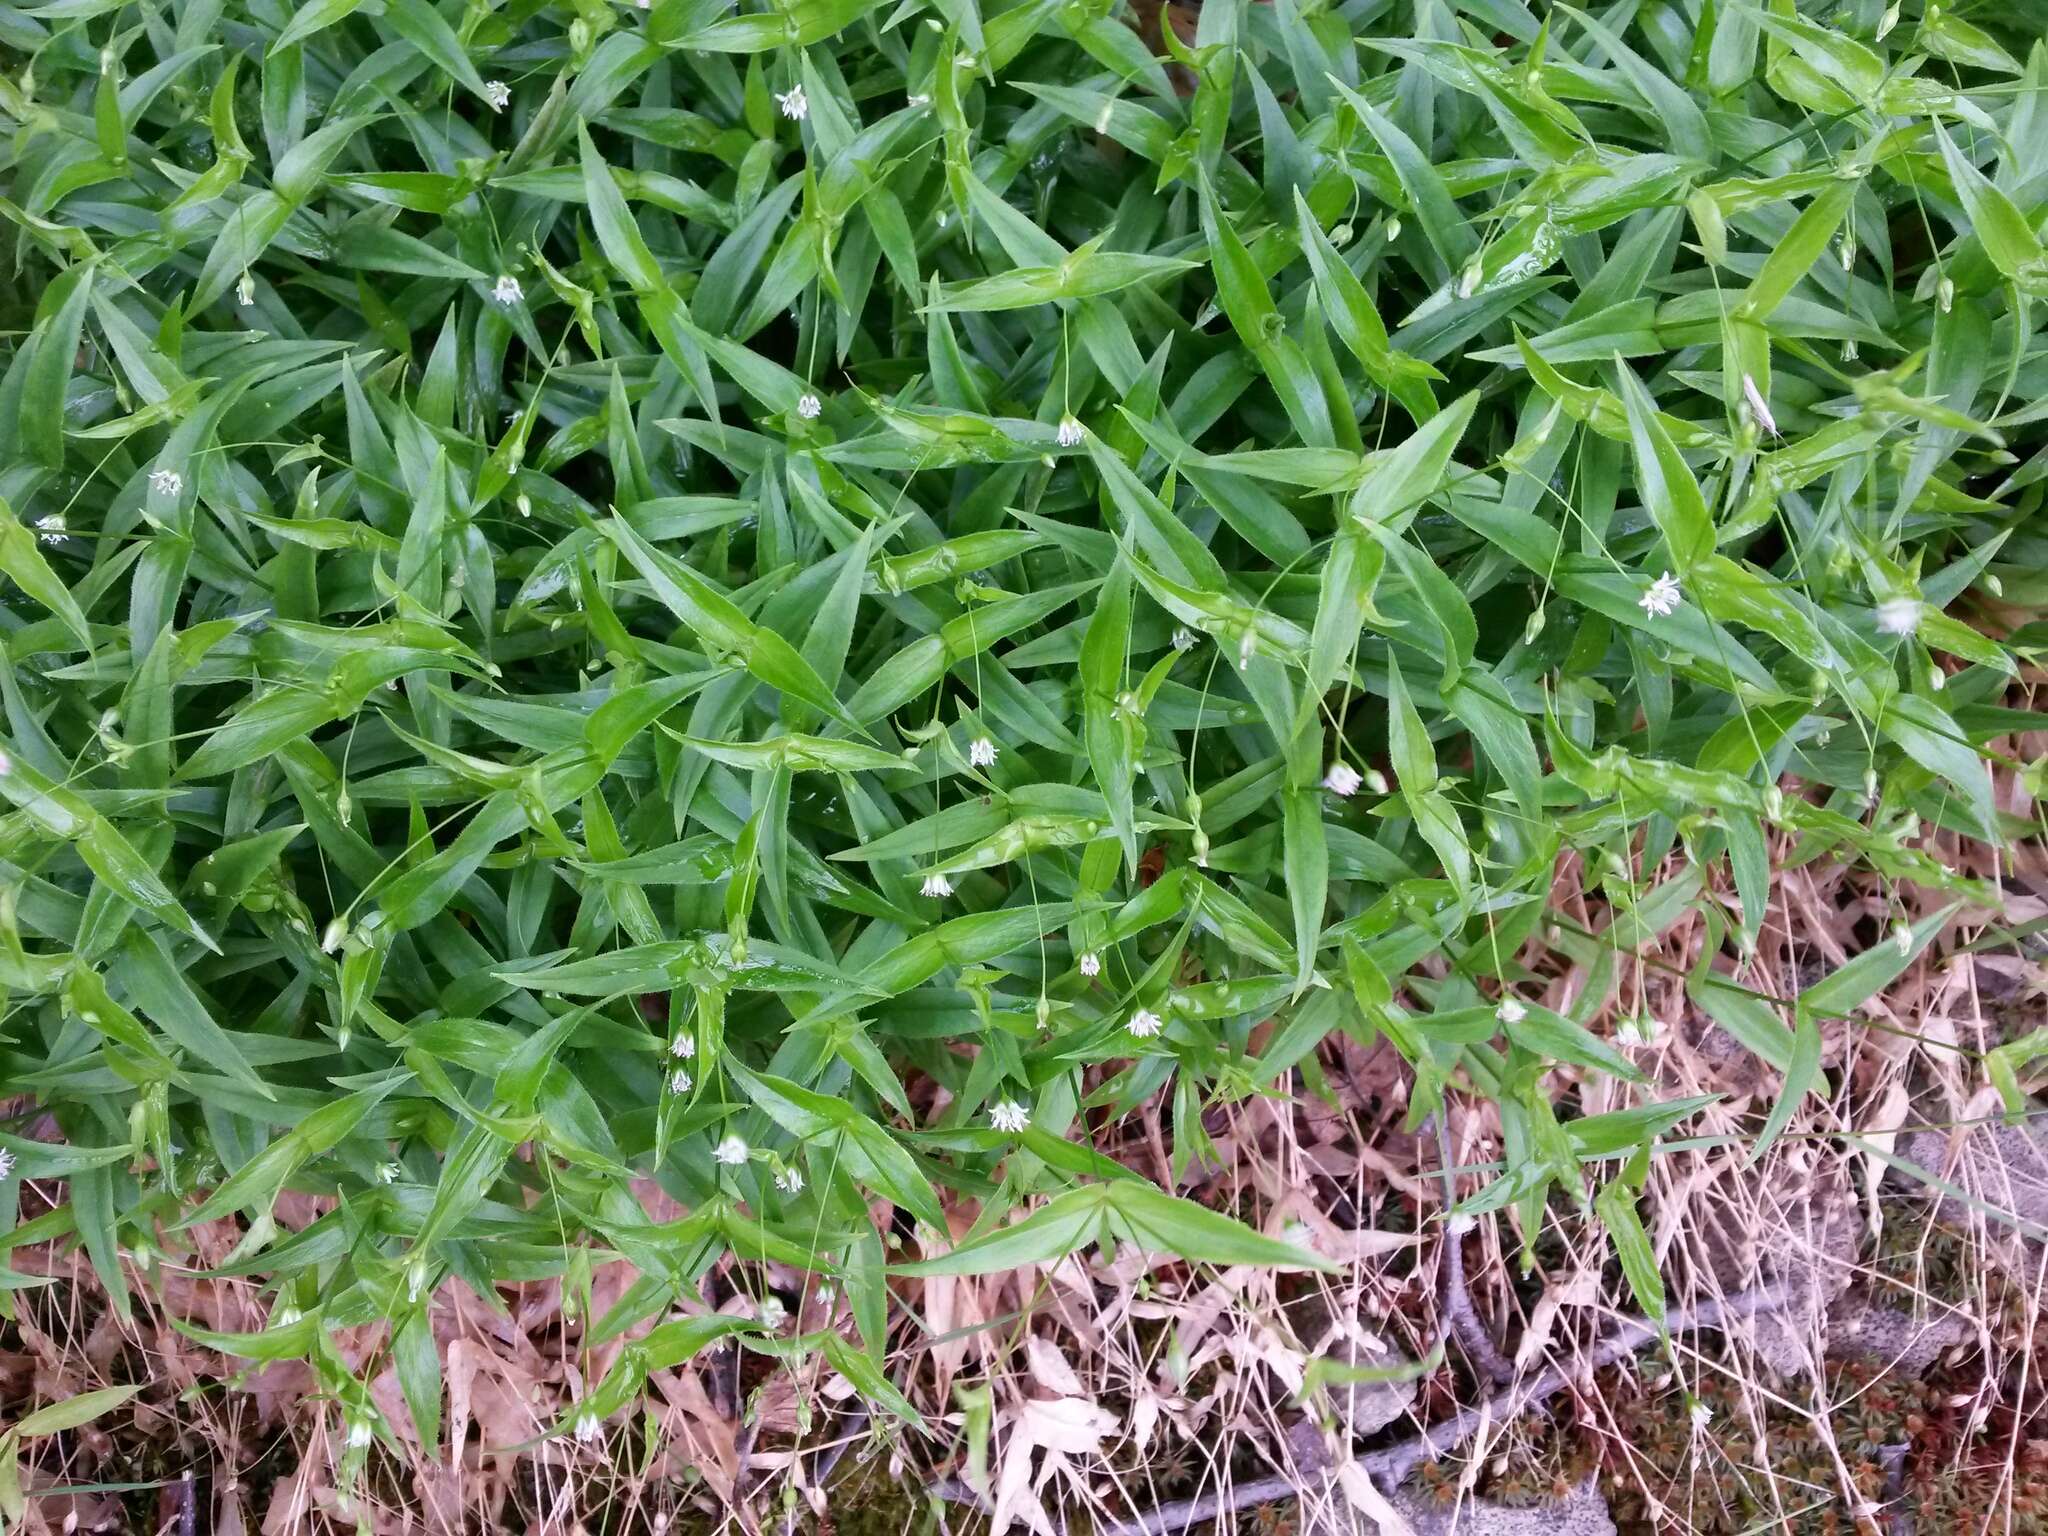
pixel 966 61
pixel 1184 638
pixel 1009 1117
pixel 680 1082
pixel 1343 780
pixel 790 1181
pixel 1091 964
pixel 387 1173
pixel 166 482
pixel 1662 598
pixel 358 1434
pixel 936 885
pixel 245 291
pixel 1702 1415
pixel 794 104
pixel 1069 434
pixel 772 1313
pixel 498 94
pixel 920 99
pixel 1375 781
pixel 684 1045
pixel 586 1428
pixel 1145 1024
pixel 809 406
pixel 1759 407
pixel 51 527
pixel 1903 937
pixel 507 290
pixel 732 1152
pixel 1511 1011
pixel 981 752
pixel 1244 651
pixel 826 1293
pixel 1898 616
pixel 1937 679
pixel 1640 1030
pixel 6 1162
pixel 332 935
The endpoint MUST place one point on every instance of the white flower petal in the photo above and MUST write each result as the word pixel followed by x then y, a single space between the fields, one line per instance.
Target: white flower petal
pixel 1898 616
pixel 1662 598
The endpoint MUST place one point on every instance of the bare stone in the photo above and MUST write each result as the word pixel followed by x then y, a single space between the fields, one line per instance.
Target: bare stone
pixel 2004 1166
pixel 1583 1513
pixel 1893 1337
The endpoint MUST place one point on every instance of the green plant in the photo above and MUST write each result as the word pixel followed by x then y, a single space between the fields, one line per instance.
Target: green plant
pixel 790 600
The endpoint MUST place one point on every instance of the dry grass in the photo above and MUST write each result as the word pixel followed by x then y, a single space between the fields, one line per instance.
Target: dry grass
pixel 1110 1385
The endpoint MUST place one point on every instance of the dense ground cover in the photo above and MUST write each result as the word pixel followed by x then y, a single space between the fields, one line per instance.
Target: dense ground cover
pixel 715 638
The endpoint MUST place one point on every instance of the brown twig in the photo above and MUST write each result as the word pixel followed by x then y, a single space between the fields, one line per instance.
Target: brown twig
pixel 1389 1466
pixel 1466 1326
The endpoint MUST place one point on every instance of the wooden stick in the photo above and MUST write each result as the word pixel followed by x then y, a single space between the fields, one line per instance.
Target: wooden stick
pixel 1389 1466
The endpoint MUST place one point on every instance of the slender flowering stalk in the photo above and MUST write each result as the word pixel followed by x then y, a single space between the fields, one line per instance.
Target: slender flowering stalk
pixel 1343 780
pixel 1662 598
